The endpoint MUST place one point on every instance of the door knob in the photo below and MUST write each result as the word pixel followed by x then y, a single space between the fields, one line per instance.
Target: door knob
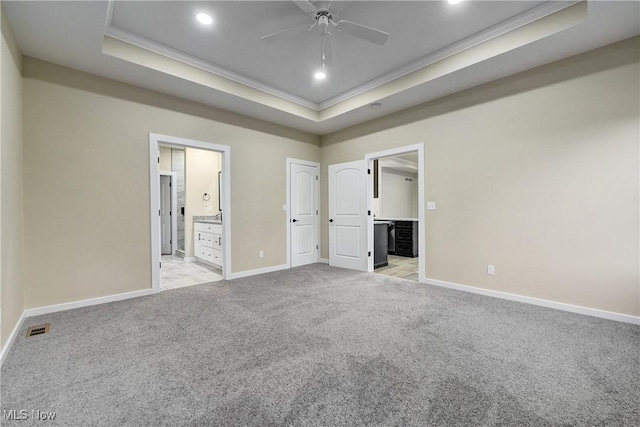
pixel 294 220
pixel 331 220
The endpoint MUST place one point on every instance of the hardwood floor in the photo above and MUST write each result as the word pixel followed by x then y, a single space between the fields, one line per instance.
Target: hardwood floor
pixel 399 266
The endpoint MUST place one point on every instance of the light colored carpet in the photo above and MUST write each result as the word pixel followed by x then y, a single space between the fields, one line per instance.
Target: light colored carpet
pixel 323 346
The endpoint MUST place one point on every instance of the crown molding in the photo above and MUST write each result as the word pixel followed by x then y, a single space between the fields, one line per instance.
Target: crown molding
pixel 527 17
pixel 397 162
pixel 511 24
pixel 145 43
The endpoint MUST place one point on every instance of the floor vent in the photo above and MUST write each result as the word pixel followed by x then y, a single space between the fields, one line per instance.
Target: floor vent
pixel 38 330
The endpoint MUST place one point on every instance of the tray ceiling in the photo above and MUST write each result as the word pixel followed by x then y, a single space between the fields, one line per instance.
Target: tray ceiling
pixel 233 42
pixel 434 49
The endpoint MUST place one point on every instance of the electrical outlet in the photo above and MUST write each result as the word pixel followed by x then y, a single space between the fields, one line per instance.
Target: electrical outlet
pixel 431 206
pixel 261 254
pixel 491 270
pixel 284 208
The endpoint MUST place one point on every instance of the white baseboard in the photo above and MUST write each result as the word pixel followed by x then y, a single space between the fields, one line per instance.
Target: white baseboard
pixel 190 259
pixel 248 273
pixel 536 301
pixel 86 303
pixel 11 339
pixel 324 261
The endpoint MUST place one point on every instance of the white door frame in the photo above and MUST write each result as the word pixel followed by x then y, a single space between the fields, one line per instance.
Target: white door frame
pixel 154 183
pixel 289 161
pixel 174 208
pixel 421 213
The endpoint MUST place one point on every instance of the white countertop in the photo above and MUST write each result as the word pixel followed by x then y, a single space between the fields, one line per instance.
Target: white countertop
pixel 208 219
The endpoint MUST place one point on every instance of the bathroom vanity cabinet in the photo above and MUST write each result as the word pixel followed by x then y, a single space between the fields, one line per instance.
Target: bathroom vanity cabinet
pixel 207 242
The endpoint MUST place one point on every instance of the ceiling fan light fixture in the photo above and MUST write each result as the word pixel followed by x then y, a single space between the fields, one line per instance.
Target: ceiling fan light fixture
pixel 204 18
pixel 320 75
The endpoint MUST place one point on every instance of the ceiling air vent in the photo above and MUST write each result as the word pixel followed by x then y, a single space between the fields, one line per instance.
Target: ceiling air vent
pixel 38 330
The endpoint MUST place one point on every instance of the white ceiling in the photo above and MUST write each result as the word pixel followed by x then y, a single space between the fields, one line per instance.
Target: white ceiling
pixel 159 45
pixel 417 29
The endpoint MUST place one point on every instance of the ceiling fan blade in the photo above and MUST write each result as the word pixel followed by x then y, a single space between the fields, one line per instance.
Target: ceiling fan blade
pixel 326 53
pixel 306 6
pixel 337 7
pixel 269 38
pixel 363 32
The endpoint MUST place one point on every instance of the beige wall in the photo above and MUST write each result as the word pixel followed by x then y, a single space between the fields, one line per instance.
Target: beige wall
pixel 87 170
pixel 11 203
pixel 537 174
pixel 398 198
pixel 201 167
pixel 165 159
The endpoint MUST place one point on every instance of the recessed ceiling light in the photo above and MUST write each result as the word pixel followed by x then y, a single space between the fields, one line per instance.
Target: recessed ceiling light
pixel 454 1
pixel 205 19
pixel 320 75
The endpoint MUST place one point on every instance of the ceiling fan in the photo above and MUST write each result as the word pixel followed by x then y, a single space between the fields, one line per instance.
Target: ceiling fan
pixel 323 15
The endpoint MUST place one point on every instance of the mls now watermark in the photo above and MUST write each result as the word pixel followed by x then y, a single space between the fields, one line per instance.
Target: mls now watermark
pixel 23 414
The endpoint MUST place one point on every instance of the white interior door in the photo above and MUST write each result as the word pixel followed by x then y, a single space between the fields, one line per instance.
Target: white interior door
pixel 304 214
pixel 348 215
pixel 165 214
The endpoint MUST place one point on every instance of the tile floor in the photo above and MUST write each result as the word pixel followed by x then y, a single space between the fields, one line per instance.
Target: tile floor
pixel 400 266
pixel 176 273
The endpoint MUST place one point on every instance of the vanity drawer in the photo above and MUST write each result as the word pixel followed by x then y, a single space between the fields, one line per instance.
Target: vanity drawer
pixel 206 239
pixel 205 253
pixel 217 257
pixel 404 247
pixel 404 234
pixel 207 242
pixel 203 227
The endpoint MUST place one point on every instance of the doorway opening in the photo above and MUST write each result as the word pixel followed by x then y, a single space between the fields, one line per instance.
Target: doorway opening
pixel 396 233
pixel 190 190
pixel 169 212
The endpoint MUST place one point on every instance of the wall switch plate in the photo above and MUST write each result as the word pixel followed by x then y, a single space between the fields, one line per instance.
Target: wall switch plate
pixel 491 270
pixel 261 254
pixel 431 206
